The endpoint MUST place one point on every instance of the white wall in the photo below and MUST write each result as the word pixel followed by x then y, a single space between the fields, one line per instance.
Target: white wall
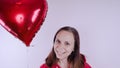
pixel 98 22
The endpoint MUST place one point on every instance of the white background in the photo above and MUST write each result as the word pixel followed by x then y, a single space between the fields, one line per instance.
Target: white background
pixel 97 21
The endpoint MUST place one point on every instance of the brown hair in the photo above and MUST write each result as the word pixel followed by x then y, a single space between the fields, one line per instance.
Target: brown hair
pixel 74 59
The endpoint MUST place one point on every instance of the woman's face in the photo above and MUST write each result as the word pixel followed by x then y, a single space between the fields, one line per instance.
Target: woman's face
pixel 64 44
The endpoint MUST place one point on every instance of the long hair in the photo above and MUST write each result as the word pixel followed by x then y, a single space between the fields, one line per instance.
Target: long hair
pixel 75 59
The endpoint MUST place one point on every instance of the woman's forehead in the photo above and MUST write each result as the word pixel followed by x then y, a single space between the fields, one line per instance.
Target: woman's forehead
pixel 65 35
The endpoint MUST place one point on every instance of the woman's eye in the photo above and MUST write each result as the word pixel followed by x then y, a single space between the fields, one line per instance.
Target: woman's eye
pixel 67 43
pixel 57 41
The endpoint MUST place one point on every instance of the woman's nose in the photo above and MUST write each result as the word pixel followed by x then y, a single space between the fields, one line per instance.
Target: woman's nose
pixel 61 49
pixel 60 46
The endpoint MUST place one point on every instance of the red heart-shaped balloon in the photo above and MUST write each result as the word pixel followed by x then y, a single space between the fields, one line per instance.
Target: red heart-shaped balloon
pixel 23 18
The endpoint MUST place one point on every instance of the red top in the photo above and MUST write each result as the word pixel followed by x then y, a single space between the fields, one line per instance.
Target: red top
pixel 57 66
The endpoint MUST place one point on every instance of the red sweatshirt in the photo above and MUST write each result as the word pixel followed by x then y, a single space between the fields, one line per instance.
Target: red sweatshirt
pixel 57 66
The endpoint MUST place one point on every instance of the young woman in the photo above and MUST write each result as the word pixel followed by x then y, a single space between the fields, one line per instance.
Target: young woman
pixel 66 50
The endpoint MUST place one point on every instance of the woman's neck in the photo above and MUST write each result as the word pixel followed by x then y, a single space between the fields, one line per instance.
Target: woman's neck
pixel 63 63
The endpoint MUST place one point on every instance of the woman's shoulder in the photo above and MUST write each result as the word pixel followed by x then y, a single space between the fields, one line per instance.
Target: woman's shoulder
pixel 87 65
pixel 46 66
